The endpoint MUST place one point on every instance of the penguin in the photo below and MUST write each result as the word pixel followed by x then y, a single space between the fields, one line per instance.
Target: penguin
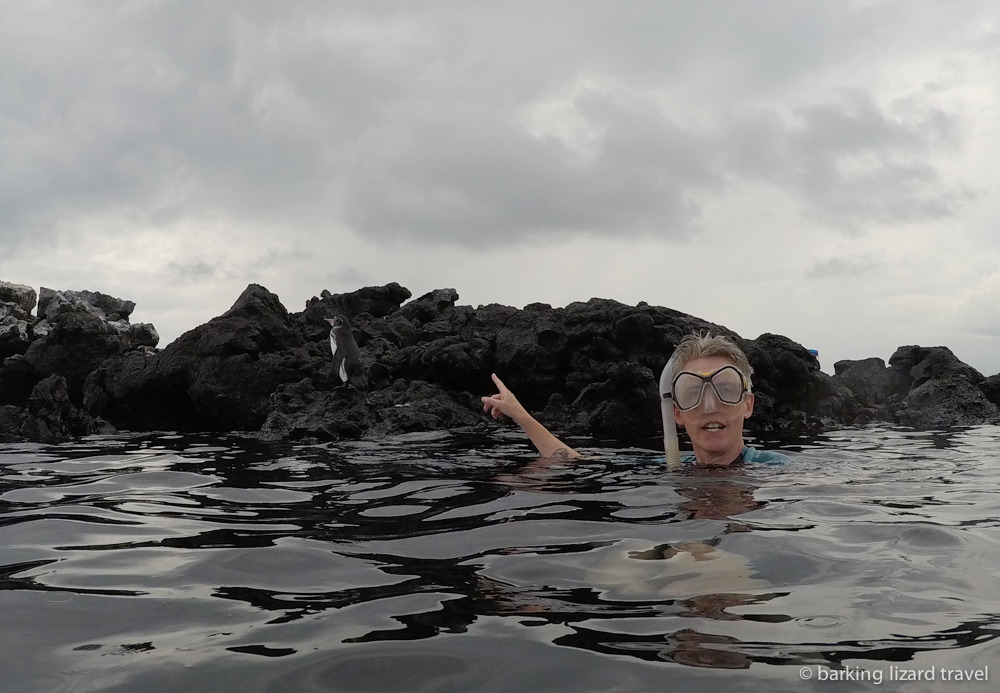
pixel 346 355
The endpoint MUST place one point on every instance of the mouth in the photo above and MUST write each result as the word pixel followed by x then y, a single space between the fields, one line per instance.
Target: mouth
pixel 713 426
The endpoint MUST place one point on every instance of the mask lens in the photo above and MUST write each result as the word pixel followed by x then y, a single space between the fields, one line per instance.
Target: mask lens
pixel 728 385
pixel 687 391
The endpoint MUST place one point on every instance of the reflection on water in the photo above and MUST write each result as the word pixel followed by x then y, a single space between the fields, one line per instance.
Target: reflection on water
pixel 458 562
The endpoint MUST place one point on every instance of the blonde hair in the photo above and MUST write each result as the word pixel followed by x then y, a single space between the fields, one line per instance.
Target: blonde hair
pixel 698 344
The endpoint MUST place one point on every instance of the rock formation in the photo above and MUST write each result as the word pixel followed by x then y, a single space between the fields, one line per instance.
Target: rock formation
pixel 81 367
pixel 923 387
pixel 47 358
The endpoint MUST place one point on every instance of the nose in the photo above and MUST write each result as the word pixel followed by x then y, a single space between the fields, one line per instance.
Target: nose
pixel 708 401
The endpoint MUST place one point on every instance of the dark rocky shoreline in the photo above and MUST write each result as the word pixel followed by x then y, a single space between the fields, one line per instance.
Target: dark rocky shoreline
pixel 77 367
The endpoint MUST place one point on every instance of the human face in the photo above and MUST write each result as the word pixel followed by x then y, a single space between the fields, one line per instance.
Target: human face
pixel 715 428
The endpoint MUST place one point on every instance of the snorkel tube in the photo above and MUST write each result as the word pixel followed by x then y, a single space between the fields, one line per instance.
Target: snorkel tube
pixel 670 446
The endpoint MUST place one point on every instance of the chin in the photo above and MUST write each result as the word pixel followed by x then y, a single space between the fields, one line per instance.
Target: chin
pixel 716 445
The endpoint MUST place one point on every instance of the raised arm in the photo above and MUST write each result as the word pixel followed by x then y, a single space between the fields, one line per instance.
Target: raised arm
pixel 504 402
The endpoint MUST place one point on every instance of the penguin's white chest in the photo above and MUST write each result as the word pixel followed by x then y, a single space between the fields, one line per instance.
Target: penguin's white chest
pixel 343 361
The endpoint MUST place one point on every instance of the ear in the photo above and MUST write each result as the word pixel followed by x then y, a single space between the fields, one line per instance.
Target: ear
pixel 677 418
pixel 749 404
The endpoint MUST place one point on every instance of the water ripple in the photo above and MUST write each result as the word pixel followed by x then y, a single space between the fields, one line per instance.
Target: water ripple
pixel 145 559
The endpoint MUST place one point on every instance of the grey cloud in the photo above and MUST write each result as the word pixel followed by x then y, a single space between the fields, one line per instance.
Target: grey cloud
pixel 473 176
pixel 171 110
pixel 249 267
pixel 193 271
pixel 852 163
pixel 350 277
pixel 844 267
pixel 402 120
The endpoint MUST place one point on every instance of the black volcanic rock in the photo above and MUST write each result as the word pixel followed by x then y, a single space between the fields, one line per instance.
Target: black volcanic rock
pixel 923 387
pixel 79 340
pixel 299 410
pixel 19 294
pixel 873 390
pixel 216 377
pixel 15 329
pixel 789 387
pixel 50 416
pixel 589 368
pixel 17 380
pixel 376 301
pixel 79 332
pixel 990 387
pixel 943 390
pixel 871 381
pixel 51 302
pixel 11 420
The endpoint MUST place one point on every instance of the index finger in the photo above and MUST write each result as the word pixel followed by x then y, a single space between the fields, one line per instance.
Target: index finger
pixel 503 388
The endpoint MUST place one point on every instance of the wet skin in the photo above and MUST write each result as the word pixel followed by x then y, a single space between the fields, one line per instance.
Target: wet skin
pixel 715 428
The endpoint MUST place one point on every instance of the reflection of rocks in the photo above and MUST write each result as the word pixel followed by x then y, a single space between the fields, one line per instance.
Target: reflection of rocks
pixel 589 368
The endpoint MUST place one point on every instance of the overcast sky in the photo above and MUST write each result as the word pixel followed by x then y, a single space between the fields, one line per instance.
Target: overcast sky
pixel 823 170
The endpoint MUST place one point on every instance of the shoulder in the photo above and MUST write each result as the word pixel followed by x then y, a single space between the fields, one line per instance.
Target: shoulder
pixel 754 456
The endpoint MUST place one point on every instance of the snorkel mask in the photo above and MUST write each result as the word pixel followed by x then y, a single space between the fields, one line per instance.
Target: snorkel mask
pixel 728 384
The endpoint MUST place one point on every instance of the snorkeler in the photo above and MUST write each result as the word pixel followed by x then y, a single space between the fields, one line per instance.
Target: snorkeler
pixel 711 393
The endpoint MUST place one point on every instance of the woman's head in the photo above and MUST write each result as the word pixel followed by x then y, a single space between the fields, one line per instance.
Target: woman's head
pixel 714 413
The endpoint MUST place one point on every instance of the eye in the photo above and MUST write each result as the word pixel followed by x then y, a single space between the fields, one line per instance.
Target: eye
pixel 729 391
pixel 689 389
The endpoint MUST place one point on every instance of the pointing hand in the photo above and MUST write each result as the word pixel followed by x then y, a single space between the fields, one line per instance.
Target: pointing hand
pixel 504 402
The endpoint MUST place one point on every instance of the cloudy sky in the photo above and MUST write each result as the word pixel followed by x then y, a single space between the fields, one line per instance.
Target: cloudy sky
pixel 823 170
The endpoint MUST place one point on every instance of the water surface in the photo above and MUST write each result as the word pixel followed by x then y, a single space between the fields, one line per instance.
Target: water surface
pixel 461 562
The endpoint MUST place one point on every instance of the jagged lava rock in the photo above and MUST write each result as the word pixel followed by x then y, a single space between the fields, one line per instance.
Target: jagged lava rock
pixel 943 391
pixel 376 301
pixel 871 381
pixel 110 307
pixel 17 379
pixel 791 393
pixel 78 337
pixel 11 420
pixel 589 368
pixel 216 377
pixel 300 411
pixel 15 329
pixel 23 296
pixel 52 418
pixel 990 387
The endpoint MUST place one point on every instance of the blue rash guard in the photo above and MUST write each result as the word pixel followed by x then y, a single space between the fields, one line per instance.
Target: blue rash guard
pixel 749 455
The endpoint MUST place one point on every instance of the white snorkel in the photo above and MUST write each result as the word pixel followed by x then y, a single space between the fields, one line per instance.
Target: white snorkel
pixel 670 446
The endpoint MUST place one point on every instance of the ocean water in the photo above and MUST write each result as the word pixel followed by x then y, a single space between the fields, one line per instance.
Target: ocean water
pixel 462 562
